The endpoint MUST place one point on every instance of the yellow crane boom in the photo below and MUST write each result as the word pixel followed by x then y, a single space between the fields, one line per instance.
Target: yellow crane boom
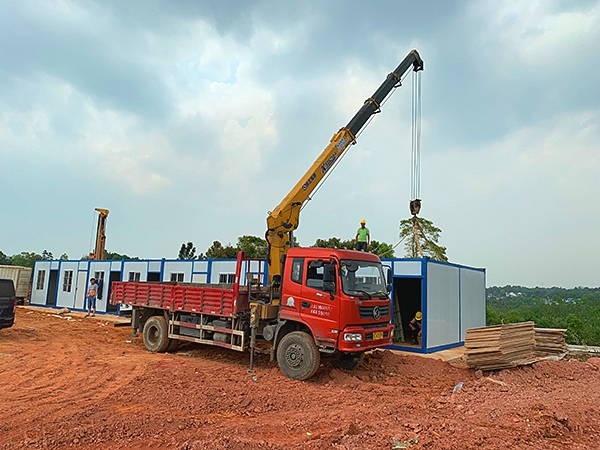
pixel 284 219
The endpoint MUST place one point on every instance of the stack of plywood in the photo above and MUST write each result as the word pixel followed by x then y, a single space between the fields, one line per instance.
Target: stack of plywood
pixel 501 346
pixel 550 342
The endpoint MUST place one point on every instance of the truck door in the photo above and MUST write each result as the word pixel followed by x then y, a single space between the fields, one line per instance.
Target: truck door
pixel 317 307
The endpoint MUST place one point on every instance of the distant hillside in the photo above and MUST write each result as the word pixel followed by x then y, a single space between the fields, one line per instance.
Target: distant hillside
pixel 577 309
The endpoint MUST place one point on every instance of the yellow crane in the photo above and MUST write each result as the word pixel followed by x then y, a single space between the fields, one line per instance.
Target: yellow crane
pixel 99 252
pixel 284 219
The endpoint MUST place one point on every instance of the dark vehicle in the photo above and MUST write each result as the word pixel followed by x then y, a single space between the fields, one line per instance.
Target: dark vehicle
pixel 8 303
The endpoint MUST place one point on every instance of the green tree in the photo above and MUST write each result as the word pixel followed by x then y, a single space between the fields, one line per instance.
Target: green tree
pixel 117 256
pixel 216 250
pixel 381 249
pixel 64 256
pixel 427 239
pixel 378 248
pixel 334 242
pixel 47 255
pixel 4 259
pixel 252 246
pixel 187 251
pixel 25 259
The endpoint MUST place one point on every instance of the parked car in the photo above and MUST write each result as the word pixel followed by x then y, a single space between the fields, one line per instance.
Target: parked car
pixel 8 303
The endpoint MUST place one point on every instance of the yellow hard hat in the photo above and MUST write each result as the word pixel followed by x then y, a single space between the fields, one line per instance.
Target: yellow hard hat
pixel 363 221
pixel 418 315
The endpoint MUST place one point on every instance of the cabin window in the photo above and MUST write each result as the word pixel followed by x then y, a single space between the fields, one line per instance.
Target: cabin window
pixel 177 276
pixel 41 278
pixel 134 276
pixel 67 281
pixel 226 278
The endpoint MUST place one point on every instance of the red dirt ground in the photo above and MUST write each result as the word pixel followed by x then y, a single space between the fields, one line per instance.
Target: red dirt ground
pixel 79 383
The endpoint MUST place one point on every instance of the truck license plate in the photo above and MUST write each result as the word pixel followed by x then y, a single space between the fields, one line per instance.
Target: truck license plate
pixel 378 335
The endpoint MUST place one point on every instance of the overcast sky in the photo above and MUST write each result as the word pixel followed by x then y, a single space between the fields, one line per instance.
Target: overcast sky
pixel 190 120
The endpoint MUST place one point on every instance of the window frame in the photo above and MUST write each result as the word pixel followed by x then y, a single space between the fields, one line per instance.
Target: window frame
pixel 67 284
pixel 41 280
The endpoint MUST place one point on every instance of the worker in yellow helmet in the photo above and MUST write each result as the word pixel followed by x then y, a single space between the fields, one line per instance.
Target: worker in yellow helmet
pixel 415 326
pixel 363 237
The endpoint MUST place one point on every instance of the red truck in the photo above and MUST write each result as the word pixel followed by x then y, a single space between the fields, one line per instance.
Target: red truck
pixel 329 301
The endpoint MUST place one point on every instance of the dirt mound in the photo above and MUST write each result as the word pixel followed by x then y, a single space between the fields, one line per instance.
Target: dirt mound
pixel 85 384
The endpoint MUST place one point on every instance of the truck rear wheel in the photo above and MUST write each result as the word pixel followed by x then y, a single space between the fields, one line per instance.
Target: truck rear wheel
pixel 298 356
pixel 156 334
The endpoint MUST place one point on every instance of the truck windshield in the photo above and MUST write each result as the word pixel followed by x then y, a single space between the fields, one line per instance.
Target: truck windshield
pixel 362 278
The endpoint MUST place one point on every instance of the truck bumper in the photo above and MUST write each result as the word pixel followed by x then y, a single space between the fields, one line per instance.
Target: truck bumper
pixel 371 338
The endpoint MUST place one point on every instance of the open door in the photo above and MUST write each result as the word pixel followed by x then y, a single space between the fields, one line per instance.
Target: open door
pixel 407 301
pixel 51 297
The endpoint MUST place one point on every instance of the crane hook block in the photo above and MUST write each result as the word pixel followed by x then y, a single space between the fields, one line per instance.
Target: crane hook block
pixel 415 206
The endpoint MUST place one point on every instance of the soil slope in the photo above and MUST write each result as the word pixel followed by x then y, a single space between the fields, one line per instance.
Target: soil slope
pixel 82 383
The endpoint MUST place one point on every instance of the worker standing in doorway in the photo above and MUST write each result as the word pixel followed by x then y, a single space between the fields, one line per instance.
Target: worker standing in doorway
pixel 363 237
pixel 92 294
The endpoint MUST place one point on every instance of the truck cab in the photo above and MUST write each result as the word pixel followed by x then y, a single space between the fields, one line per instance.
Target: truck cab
pixel 336 298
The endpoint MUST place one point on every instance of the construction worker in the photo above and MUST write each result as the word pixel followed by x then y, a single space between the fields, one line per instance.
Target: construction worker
pixel 363 237
pixel 415 326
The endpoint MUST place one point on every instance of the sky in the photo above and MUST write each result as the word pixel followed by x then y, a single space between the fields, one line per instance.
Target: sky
pixel 191 120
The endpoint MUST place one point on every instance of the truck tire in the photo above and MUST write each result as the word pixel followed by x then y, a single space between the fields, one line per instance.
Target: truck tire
pixel 173 345
pixel 156 334
pixel 298 356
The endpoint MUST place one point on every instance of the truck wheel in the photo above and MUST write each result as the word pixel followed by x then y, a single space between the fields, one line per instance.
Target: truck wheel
pixel 173 345
pixel 156 334
pixel 298 356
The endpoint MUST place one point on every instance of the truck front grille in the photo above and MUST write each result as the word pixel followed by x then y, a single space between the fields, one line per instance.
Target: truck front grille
pixel 368 312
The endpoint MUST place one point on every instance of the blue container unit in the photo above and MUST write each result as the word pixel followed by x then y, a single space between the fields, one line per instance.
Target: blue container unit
pixel 63 284
pixel 451 298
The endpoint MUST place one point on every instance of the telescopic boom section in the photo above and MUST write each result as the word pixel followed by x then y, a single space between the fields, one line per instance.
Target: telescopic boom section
pixel 284 219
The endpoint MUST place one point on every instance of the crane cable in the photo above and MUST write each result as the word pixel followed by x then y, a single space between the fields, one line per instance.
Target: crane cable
pixel 415 176
pixel 90 250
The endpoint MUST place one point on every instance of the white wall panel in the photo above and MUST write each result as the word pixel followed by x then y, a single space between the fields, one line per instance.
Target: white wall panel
pixel 472 299
pixel 408 268
pixel 219 267
pixel 115 266
pixel 82 282
pixel 135 266
pixel 184 267
pixel 154 266
pixel 39 296
pixel 83 265
pixel 199 278
pixel 66 299
pixel 442 313
pixel 200 266
pixel 54 265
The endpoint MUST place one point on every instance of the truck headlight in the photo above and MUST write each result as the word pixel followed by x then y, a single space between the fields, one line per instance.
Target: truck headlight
pixel 352 337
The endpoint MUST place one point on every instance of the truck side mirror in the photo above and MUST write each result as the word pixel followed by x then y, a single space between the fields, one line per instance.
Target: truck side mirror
pixel 329 278
pixel 388 274
pixel 329 273
pixel 388 278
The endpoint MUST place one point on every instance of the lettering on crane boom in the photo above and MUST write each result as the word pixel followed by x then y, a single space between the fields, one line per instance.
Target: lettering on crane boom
pixel 309 181
pixel 327 164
